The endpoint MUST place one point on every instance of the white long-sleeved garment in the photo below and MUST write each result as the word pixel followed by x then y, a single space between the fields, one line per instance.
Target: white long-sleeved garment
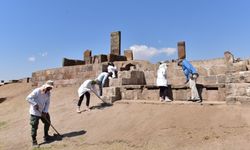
pixel 162 75
pixel 37 97
pixel 112 69
pixel 86 87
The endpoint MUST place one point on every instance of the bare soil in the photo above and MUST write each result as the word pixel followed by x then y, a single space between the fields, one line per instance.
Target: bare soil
pixel 123 126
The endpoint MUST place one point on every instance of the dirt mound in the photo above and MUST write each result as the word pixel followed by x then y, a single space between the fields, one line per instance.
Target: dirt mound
pixel 123 126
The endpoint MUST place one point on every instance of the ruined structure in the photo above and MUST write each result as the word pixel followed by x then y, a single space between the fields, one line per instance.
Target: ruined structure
pixel 181 50
pixel 221 79
pixel 116 43
pixel 115 54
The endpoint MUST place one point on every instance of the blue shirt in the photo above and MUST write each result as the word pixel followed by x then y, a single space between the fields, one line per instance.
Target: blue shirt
pixel 188 68
pixel 102 78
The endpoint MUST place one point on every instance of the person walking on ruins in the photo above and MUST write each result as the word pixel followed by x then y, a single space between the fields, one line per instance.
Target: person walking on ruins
pixel 101 79
pixel 84 89
pixel 191 77
pixel 112 68
pixel 162 82
pixel 39 100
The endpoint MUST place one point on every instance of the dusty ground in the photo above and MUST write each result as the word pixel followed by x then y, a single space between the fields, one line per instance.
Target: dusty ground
pixel 124 126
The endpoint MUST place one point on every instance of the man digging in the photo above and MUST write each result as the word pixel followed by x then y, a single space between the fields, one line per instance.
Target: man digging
pixel 39 100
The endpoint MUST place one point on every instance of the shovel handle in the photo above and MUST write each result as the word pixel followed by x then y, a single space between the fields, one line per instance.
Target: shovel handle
pixel 49 123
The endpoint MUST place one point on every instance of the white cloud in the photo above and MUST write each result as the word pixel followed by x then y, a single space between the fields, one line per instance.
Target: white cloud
pixel 32 59
pixel 146 52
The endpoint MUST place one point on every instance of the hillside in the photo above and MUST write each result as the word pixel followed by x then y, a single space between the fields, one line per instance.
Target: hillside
pixel 129 126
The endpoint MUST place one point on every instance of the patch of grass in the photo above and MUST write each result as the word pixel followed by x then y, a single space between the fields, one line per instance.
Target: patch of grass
pixel 2 124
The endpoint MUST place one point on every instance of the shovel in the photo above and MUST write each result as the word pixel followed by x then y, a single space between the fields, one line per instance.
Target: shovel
pixel 99 97
pixel 58 135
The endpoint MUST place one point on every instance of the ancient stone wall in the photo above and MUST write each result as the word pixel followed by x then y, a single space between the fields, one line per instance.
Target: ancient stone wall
pixel 218 80
pixel 67 75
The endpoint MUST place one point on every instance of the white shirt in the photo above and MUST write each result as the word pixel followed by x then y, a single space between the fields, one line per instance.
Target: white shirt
pixel 162 75
pixel 112 69
pixel 38 97
pixel 86 87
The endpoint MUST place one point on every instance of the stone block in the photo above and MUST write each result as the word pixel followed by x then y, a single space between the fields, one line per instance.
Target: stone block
pixel 221 79
pixel 229 58
pixel 181 50
pixel 239 77
pixel 132 77
pixel 237 67
pixel 115 82
pixel 135 94
pixel 150 77
pixel 202 71
pixel 177 80
pixel 99 59
pixel 112 94
pixel 213 95
pixel 112 58
pixel 129 54
pixel 132 87
pixel 72 62
pixel 116 43
pixel 248 91
pixel 210 80
pixel 181 94
pixel 237 89
pixel 244 100
pixel 150 94
pixel 231 100
pixel 124 74
pixel 216 70
pixel 87 57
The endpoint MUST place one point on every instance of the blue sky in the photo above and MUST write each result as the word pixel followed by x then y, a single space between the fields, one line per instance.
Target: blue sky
pixel 37 34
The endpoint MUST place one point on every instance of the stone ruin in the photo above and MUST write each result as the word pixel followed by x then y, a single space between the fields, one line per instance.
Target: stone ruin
pixel 222 79
pixel 115 54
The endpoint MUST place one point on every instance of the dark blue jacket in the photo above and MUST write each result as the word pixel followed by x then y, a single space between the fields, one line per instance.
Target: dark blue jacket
pixel 188 69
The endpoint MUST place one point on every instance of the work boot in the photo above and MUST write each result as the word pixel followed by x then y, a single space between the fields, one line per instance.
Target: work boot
pixel 78 110
pixel 48 138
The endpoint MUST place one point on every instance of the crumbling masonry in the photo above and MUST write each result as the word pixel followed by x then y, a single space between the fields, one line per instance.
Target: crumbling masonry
pixel 223 79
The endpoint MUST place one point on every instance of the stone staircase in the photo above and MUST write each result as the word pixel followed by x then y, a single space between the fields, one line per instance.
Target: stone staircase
pixel 130 87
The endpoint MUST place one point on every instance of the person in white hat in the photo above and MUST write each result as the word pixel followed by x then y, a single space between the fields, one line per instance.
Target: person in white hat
pixel 39 100
pixel 162 82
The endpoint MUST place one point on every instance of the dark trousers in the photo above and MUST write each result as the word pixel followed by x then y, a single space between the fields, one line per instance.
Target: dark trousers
pixel 34 121
pixel 100 89
pixel 87 94
pixel 163 91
